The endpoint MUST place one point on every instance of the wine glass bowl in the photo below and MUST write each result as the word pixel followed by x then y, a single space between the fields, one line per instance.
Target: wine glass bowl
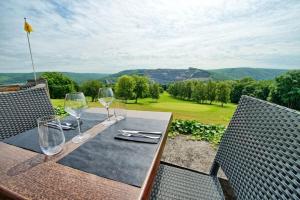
pixel 75 104
pixel 105 98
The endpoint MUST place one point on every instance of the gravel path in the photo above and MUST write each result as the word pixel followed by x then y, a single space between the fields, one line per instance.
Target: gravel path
pixel 197 155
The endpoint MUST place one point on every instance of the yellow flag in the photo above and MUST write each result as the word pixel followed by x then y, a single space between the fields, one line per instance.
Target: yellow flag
pixel 27 27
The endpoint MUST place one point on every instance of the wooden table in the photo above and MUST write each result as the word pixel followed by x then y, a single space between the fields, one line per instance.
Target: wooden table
pixel 28 175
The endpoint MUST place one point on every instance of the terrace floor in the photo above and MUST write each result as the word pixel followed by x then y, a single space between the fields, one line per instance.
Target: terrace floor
pixel 196 155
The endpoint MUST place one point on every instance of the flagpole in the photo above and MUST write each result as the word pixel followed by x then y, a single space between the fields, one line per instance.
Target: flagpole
pixel 33 68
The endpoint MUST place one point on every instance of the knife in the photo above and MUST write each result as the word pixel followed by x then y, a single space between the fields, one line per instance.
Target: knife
pixel 145 132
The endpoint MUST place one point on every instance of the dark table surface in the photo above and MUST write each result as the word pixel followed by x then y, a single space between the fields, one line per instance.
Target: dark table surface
pixel 120 160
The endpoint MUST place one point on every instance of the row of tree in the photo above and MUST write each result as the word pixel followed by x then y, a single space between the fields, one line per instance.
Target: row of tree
pixel 250 87
pixel 284 90
pixel 127 87
pixel 200 91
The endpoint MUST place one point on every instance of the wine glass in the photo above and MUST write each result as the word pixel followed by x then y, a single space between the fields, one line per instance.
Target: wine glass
pixel 105 98
pixel 119 108
pixel 51 135
pixel 75 103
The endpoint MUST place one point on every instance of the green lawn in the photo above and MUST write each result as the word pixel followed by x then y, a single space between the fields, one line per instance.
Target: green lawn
pixel 208 114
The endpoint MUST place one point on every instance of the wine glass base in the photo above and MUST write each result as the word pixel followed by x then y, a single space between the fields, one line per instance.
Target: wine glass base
pixel 52 151
pixel 108 122
pixel 80 138
pixel 119 118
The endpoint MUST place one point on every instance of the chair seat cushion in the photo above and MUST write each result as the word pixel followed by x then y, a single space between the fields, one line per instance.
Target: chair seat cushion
pixel 174 182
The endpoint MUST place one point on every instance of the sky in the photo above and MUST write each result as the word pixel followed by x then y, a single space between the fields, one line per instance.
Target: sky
pixel 107 36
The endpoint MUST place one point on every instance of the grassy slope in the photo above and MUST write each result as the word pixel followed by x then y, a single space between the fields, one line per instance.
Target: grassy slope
pixel 209 114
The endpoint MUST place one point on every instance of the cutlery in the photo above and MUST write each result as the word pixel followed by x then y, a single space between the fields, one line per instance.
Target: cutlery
pixel 137 134
pixel 147 132
pixel 54 125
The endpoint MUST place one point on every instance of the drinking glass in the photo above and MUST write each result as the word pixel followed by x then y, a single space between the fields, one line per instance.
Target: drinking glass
pixel 51 137
pixel 105 98
pixel 75 104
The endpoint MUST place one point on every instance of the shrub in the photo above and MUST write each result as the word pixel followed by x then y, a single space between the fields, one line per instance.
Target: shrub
pixel 60 111
pixel 197 130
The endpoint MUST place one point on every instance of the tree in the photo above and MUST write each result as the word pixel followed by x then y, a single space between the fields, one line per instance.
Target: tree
pixel 171 90
pixel 180 89
pixel 263 89
pixel 59 84
pixel 141 88
pixel 154 90
pixel 162 88
pixel 286 90
pixel 125 87
pixel 187 90
pixel 223 93
pixel 238 89
pixel 249 89
pixel 211 91
pixel 199 93
pixel 91 88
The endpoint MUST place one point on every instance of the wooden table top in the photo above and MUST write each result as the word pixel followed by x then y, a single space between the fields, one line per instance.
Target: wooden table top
pixel 28 175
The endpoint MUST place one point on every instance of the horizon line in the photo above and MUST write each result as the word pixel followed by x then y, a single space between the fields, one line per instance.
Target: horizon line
pixel 155 69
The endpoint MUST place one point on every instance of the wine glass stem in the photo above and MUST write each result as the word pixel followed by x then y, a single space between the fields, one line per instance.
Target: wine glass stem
pixel 107 113
pixel 79 129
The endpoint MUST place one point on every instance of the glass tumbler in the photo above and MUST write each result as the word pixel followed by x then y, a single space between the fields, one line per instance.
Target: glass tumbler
pixel 51 135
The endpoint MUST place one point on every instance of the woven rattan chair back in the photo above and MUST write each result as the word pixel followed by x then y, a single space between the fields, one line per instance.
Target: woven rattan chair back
pixel 260 151
pixel 20 110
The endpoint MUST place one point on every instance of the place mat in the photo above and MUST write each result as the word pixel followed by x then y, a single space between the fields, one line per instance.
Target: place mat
pixel 30 139
pixel 119 160
pixel 138 138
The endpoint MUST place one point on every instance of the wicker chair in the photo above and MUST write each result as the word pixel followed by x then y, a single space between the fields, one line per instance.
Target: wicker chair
pixel 19 110
pixel 259 153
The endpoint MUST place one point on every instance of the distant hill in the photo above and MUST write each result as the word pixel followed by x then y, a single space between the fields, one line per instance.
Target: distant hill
pixel 80 77
pixel 238 73
pixel 163 76
pixel 11 78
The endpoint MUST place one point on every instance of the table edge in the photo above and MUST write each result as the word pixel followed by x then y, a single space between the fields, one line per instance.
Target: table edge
pixel 151 174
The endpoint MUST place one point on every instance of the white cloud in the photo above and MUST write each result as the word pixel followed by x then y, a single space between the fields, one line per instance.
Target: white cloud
pixel 111 35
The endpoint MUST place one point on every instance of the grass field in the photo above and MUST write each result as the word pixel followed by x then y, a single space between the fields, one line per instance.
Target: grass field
pixel 208 114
